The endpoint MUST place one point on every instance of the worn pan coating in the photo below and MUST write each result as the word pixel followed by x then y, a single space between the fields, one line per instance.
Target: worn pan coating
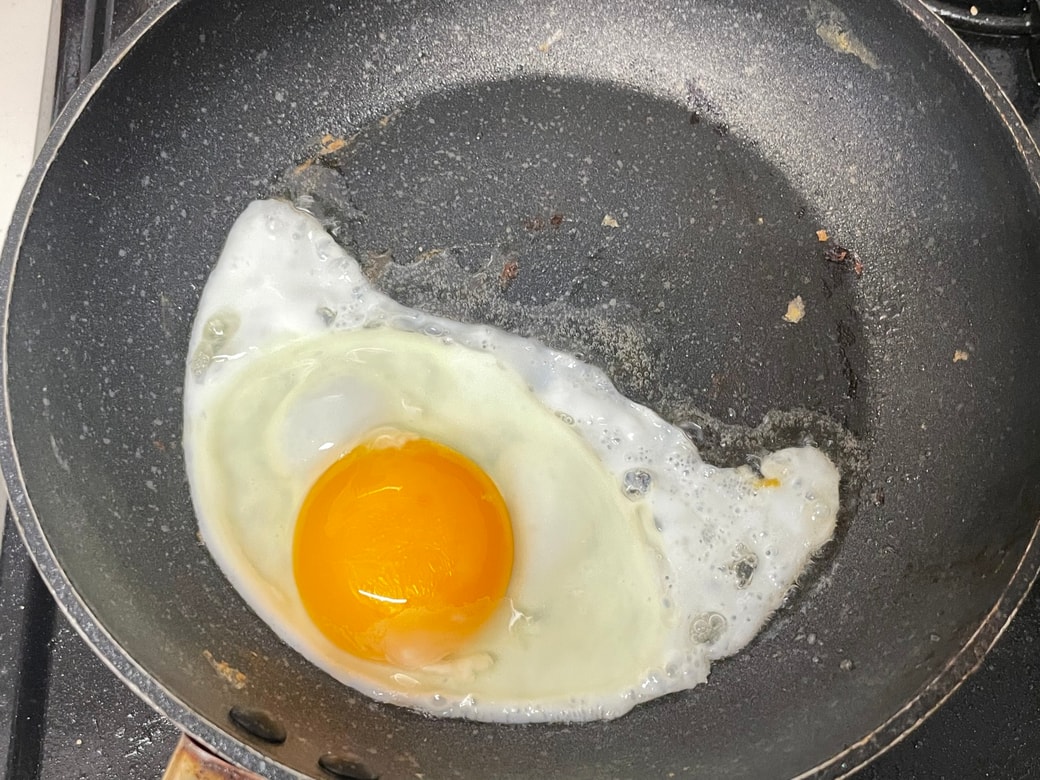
pixel 720 136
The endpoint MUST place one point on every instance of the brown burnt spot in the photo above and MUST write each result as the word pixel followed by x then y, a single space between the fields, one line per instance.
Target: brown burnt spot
pixel 843 256
pixel 430 253
pixel 331 143
pixel 538 222
pixel 836 254
pixel 510 271
pixel 327 151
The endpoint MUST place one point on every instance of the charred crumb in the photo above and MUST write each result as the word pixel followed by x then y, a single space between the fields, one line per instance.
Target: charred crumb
pixel 836 254
pixel 510 271
pixel 538 222
pixel 840 255
pixel 703 109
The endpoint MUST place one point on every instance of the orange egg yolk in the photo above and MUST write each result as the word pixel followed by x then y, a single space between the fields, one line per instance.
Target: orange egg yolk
pixel 402 551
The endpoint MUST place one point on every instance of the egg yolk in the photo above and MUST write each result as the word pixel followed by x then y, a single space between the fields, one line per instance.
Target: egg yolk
pixel 402 550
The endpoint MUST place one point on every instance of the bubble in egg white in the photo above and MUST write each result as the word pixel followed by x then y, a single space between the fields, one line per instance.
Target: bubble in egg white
pixel 636 563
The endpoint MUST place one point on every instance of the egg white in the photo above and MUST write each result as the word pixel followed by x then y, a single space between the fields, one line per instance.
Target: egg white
pixel 636 562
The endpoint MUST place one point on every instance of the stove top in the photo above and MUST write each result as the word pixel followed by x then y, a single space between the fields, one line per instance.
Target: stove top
pixel 63 714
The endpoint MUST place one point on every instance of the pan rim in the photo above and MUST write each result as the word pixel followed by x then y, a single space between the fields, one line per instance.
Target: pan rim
pixel 219 739
pixel 966 661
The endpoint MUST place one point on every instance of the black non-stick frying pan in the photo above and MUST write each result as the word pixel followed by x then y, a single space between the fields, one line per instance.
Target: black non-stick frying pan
pixel 720 136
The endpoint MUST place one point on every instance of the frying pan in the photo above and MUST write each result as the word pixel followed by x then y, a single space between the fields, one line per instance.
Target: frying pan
pixel 720 137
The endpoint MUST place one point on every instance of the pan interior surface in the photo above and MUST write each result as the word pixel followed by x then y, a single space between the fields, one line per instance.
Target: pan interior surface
pixel 657 177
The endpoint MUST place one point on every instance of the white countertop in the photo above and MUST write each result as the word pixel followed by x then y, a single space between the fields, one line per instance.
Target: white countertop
pixel 28 45
pixel 27 28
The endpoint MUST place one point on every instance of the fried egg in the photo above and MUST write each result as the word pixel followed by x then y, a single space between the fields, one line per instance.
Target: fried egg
pixel 461 520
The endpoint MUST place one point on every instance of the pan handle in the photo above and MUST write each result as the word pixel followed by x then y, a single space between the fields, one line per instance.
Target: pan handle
pixel 192 762
pixel 965 20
